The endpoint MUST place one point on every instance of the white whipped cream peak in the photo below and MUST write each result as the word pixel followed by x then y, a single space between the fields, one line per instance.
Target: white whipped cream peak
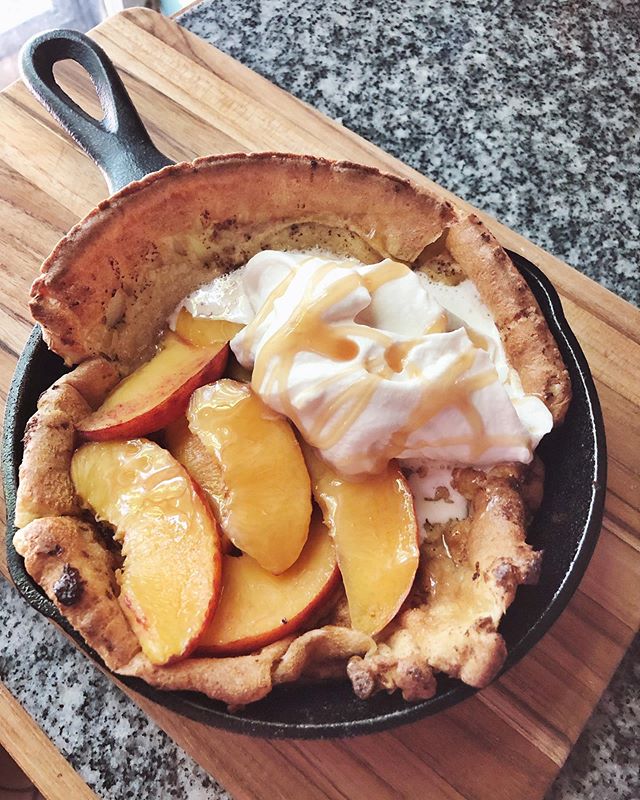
pixel 364 360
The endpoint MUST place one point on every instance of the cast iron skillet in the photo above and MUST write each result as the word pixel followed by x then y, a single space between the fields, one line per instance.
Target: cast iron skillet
pixel 566 527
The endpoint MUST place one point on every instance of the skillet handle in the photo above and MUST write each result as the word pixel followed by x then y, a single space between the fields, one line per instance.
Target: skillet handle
pixel 118 143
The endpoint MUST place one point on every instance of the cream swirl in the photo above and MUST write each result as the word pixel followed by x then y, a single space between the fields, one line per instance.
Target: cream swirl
pixel 369 366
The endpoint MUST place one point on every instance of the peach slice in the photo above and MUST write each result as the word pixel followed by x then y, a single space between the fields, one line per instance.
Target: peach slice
pixel 376 534
pixel 257 608
pixel 157 392
pixel 171 578
pixel 261 490
pixel 203 331
pixel 186 448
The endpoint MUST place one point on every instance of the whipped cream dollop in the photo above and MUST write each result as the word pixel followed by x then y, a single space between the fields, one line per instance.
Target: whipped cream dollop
pixel 374 362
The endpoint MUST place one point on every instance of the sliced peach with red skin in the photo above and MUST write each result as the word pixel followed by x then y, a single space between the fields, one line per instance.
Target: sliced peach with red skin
pixel 258 608
pixel 157 392
pixel 374 525
pixel 259 483
pixel 171 578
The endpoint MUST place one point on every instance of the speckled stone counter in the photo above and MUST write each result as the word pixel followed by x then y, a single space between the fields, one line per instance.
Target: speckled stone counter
pixel 529 110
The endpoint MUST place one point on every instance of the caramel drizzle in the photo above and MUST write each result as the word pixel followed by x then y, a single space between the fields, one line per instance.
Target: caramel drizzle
pixel 306 331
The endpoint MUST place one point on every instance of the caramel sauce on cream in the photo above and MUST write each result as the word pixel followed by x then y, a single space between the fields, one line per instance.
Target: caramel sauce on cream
pixel 308 329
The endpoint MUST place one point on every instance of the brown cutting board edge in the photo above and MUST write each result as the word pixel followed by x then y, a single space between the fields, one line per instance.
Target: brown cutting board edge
pixel 510 740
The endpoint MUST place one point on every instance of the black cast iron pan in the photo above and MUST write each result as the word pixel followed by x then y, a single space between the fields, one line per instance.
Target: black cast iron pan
pixel 566 527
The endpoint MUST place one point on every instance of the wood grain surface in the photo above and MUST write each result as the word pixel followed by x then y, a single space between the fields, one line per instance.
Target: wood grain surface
pixel 510 740
pixel 35 754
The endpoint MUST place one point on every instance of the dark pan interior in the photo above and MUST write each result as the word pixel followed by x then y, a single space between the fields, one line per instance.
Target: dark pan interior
pixel 566 527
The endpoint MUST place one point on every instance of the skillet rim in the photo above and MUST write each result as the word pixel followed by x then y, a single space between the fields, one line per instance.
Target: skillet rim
pixel 189 703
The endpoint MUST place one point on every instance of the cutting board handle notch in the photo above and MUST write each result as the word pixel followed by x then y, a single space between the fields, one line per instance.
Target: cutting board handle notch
pixel 118 143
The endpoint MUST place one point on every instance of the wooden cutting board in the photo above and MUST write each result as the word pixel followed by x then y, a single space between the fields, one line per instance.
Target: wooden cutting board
pixel 508 741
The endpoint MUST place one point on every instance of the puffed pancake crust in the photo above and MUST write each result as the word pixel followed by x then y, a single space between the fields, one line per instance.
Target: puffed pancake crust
pixel 102 299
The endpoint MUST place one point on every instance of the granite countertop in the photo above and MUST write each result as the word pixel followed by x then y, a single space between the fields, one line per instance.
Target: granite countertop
pixel 526 108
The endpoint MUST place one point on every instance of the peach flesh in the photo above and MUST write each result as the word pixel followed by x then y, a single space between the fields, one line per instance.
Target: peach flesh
pixel 157 392
pixel 203 331
pixel 376 535
pixel 171 579
pixel 257 607
pixel 264 505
